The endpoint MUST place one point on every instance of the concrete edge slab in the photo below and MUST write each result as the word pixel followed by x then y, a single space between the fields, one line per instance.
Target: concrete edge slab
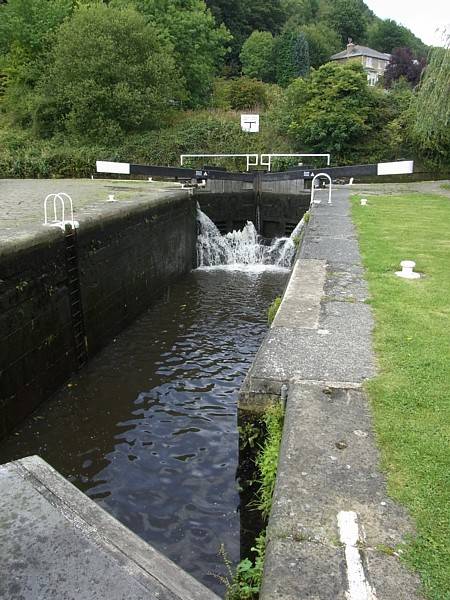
pixel 139 558
pixel 307 281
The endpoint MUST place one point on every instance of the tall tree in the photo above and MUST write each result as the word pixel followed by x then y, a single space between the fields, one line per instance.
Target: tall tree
pixel 291 57
pixel 299 12
pixel 199 44
pixel 111 73
pixel 257 56
pixel 404 64
pixel 241 17
pixel 330 110
pixel 430 110
pixel 348 18
pixel 323 42
pixel 26 31
pixel 386 35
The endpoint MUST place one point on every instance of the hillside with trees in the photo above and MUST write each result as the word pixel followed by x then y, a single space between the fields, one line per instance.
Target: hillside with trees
pixel 147 80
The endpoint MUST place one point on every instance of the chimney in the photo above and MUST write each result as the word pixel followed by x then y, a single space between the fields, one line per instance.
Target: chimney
pixel 350 46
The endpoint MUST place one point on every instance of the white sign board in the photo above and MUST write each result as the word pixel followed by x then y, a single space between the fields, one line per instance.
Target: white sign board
pixel 113 167
pixel 250 123
pixel 401 167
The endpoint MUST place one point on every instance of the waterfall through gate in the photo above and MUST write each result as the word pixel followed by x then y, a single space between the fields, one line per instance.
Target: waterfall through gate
pixel 243 247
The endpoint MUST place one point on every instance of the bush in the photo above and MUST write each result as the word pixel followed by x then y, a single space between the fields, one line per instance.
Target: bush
pixel 111 73
pixel 247 94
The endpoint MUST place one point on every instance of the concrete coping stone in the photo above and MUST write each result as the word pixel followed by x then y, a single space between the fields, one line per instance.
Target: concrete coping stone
pixel 57 543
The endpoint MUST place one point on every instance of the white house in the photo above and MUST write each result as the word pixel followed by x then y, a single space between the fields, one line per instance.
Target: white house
pixel 374 63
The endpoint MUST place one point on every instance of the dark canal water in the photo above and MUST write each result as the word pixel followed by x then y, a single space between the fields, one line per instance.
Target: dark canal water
pixel 148 429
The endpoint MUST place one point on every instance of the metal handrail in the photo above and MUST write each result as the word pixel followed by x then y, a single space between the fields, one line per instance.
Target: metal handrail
pixel 247 156
pixel 62 197
pixel 268 163
pixel 313 188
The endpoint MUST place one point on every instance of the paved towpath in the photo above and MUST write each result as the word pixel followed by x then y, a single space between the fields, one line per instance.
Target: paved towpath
pixel 334 533
pixel 22 200
pixel 420 187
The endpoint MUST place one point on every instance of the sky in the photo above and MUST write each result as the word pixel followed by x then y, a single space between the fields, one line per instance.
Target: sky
pixel 423 18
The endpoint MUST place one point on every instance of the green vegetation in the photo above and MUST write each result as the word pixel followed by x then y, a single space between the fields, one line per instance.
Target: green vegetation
pixel 430 108
pixel 273 309
pixel 267 459
pixel 245 582
pixel 445 186
pixel 146 75
pixel 410 396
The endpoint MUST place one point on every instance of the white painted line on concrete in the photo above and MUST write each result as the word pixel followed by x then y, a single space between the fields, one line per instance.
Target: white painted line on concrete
pixel 358 586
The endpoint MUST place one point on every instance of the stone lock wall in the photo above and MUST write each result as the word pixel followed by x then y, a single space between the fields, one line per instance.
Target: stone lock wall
pixel 125 262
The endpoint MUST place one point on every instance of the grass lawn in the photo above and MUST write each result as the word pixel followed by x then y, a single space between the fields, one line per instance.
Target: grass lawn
pixel 411 394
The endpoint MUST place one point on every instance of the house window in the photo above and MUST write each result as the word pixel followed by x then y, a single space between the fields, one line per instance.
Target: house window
pixel 372 78
pixel 368 61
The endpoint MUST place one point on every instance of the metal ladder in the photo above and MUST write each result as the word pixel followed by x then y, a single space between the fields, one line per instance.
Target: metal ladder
pixel 73 284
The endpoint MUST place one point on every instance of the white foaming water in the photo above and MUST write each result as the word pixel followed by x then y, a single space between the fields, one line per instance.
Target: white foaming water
pixel 242 249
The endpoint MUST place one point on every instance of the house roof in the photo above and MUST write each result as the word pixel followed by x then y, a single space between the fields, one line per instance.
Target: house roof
pixel 356 50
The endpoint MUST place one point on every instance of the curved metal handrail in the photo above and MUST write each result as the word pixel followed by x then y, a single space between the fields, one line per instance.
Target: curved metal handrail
pixel 62 197
pixel 313 188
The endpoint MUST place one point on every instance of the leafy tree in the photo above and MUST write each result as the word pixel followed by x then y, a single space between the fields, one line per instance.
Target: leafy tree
pixel 242 17
pixel 299 12
pixel 430 109
pixel 404 65
pixel 26 30
pixel 25 24
pixel 111 73
pixel 386 35
pixel 257 54
pixel 323 42
pixel 291 57
pixel 330 110
pixel 348 18
pixel 199 45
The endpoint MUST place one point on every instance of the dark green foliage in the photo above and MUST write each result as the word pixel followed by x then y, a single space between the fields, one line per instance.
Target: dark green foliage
pixel 348 18
pixel 430 109
pixel 323 42
pixel 122 76
pixel 257 56
pixel 25 25
pixel 386 35
pixel 27 29
pixel 199 44
pixel 331 110
pixel 291 57
pixel 299 12
pixel 242 17
pixel 246 93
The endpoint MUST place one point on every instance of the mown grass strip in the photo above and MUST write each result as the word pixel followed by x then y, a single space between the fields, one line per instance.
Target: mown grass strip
pixel 411 394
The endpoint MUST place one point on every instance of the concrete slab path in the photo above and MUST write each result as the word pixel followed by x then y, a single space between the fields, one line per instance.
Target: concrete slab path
pixel 22 201
pixel 333 532
pixel 56 543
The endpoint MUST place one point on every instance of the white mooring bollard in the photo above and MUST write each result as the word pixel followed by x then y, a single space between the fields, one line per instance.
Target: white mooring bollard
pixel 407 271
pixel 363 201
pixel 111 198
